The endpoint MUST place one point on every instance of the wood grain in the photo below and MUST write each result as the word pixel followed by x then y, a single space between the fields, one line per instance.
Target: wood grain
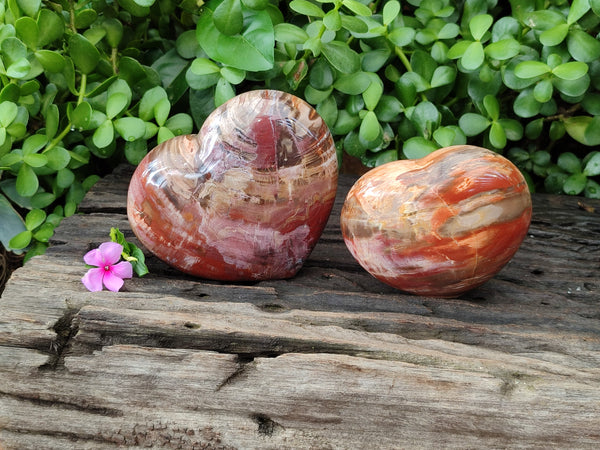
pixel 331 358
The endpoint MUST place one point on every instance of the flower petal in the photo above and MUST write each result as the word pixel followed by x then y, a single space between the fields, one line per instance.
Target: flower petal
pixel 111 252
pixel 92 280
pixel 122 270
pixel 93 258
pixel 112 282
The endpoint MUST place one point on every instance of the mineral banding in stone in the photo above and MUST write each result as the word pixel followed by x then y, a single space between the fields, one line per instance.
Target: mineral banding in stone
pixel 245 199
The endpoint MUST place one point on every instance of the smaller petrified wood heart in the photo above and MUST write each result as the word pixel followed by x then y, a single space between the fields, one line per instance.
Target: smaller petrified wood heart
pixel 439 225
pixel 245 199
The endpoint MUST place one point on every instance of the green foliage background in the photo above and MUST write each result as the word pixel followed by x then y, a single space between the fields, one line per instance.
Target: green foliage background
pixel 86 85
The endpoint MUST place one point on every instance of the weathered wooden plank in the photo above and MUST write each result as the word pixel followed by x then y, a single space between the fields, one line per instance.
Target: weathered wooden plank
pixel 329 359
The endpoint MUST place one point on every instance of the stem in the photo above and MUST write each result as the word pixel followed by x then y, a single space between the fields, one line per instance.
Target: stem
pixel 82 88
pixel 113 59
pixel 564 114
pixel 72 17
pixel 54 142
pixel 402 56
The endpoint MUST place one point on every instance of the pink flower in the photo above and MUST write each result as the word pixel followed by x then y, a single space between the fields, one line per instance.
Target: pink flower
pixel 107 271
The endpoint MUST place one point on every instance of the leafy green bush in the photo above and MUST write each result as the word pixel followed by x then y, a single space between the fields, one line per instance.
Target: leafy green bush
pixel 88 84
pixel 82 88
pixel 401 79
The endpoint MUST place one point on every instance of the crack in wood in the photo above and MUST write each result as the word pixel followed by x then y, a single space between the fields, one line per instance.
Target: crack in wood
pixel 65 328
pixel 52 402
pixel 266 426
pixel 243 364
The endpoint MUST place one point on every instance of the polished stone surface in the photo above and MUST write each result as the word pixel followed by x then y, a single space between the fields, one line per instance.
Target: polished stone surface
pixel 245 199
pixel 440 225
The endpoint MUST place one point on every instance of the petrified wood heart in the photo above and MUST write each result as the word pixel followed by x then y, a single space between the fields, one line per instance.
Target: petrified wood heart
pixel 439 225
pixel 245 199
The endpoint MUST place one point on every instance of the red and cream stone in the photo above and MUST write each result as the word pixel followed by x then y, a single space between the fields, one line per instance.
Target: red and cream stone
pixel 245 199
pixel 440 225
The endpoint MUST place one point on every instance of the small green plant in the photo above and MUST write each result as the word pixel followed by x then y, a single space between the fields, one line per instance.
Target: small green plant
pixel 79 93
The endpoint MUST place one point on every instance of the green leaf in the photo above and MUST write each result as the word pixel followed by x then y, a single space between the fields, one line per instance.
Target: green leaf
pixel 50 60
pixel 592 168
pixel 34 219
pixel 34 143
pixel 162 108
pixel 458 49
pixel 150 98
pixel 569 162
pixel 58 158
pixel 543 90
pixel 11 224
pixel 84 18
pixel 373 93
pixel 544 19
pixel 21 240
pixel 418 147
pixel 592 189
pixel 233 75
pixel 332 20
pixel 503 49
pixel 27 181
pixel 591 134
pixel 84 54
pixel 555 35
pixel 577 10
pixel 479 25
pixel 104 134
pixel 401 36
pixel 223 92
pixel 256 41
pixel 341 57
pixel 492 107
pixel 448 31
pixel 582 46
pixel 8 113
pixel 473 56
pixel 443 75
pixel 29 7
pixel 575 184
pixel 81 116
pixel 27 30
pixel 571 70
pixel 525 105
pixel 450 135
pixel 35 160
pixel 572 88
pixel 531 69
pixel 426 118
pixel 50 27
pixel 369 127
pixel 130 128
pixel 289 33
pixel 346 122
pixel 136 151
pixel 65 178
pixel 473 124
pixel 391 9
pixel 497 135
pixel 180 123
pixel 576 128
pixel 357 7
pixel 228 17
pixel 307 8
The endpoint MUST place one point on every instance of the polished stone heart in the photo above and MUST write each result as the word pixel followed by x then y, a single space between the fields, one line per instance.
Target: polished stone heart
pixel 245 199
pixel 440 225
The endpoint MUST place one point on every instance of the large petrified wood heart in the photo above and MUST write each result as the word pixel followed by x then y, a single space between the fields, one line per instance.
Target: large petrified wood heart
pixel 245 199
